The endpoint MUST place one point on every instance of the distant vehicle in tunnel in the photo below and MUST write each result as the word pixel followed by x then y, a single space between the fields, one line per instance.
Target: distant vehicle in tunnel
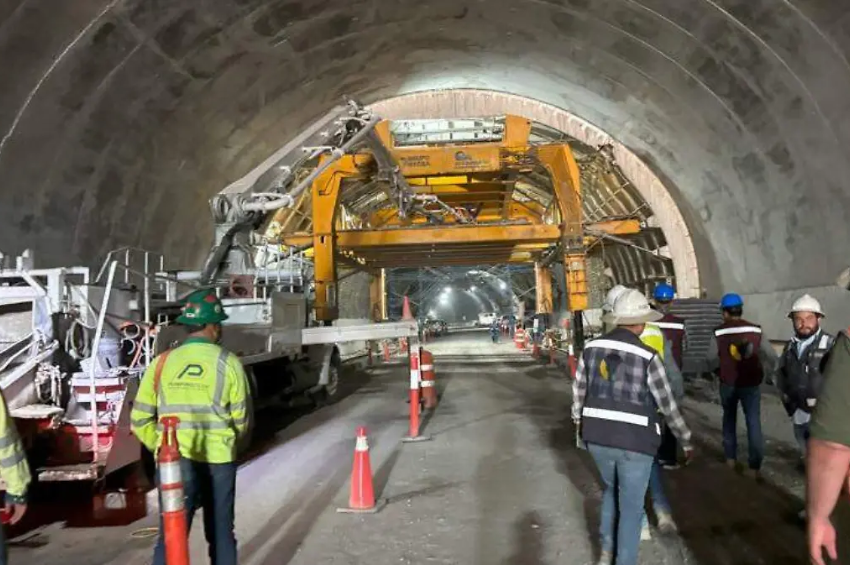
pixel 486 319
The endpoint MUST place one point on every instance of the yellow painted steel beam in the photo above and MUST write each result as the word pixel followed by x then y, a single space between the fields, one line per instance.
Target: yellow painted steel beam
pixel 325 200
pixel 566 183
pixel 516 233
pixel 615 227
pixel 575 267
pixel 378 296
pixel 543 288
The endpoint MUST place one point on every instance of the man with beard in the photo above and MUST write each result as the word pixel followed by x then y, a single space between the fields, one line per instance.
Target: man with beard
pixel 798 376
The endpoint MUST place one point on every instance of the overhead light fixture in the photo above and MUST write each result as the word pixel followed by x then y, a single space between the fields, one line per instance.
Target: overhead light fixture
pixel 503 285
pixel 448 289
pixel 472 288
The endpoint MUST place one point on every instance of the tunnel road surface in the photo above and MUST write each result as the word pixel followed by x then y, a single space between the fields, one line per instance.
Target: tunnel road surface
pixel 501 482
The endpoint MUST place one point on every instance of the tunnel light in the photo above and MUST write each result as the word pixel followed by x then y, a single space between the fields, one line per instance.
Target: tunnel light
pixel 503 285
pixel 444 299
pixel 432 313
pixel 472 288
pixel 447 289
pixel 473 272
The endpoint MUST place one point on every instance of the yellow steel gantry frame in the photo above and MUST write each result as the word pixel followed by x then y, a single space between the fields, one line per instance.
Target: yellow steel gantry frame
pixel 508 226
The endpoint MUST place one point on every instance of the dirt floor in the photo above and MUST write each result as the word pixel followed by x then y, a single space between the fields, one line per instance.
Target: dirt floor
pixel 500 482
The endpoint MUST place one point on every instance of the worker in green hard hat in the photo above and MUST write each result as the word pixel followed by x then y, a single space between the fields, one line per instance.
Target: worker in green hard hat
pixel 205 386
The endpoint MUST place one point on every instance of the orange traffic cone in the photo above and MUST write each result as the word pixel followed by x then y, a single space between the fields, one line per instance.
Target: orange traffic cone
pixel 406 314
pixel 386 345
pixel 362 497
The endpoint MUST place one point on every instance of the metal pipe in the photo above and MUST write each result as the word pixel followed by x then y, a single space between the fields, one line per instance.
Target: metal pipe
pixel 101 319
pixel 147 310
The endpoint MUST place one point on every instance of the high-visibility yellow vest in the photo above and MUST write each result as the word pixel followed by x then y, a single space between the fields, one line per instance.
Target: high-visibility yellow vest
pixel 653 337
pixel 203 385
pixel 14 468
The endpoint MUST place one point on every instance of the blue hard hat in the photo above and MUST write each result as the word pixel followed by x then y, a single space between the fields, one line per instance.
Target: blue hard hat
pixel 731 300
pixel 664 292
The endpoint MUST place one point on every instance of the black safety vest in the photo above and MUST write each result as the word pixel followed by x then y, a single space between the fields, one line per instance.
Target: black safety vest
pixel 619 409
pixel 802 377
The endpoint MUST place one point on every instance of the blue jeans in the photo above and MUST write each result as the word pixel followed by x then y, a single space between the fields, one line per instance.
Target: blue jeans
pixel 801 434
pixel 211 486
pixel 750 399
pixel 628 472
pixel 657 497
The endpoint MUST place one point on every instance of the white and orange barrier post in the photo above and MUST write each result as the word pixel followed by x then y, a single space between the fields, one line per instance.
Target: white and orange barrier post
pixel 175 531
pixel 415 377
pixel 429 380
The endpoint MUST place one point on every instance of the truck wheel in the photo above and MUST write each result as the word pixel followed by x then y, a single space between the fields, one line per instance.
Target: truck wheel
pixel 331 392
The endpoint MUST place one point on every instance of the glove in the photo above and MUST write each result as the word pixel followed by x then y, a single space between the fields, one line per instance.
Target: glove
pixel 810 402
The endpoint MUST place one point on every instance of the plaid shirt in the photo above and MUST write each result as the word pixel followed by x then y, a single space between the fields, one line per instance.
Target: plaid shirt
pixel 656 381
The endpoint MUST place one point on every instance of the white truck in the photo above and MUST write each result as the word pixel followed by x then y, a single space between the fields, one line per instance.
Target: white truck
pixel 74 345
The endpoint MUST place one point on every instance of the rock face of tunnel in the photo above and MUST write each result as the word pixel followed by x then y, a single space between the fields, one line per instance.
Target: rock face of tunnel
pixel 118 119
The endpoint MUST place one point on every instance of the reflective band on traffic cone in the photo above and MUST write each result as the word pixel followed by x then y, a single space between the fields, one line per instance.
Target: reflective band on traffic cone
pixel 519 337
pixel 361 498
pixel 175 531
pixel 429 380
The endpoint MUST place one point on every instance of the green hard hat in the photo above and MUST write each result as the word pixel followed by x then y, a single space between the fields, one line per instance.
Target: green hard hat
pixel 200 308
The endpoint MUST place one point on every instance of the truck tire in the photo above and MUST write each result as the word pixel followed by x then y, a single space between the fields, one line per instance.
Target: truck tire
pixel 331 392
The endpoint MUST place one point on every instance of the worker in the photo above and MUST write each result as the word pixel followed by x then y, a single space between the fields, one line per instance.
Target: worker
pixel 494 331
pixel 828 451
pixel 14 471
pixel 741 357
pixel 798 375
pixel 607 306
pixel 652 336
pixel 620 387
pixel 673 328
pixel 205 386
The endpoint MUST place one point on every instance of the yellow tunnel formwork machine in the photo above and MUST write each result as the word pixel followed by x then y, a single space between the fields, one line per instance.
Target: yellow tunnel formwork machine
pixel 470 196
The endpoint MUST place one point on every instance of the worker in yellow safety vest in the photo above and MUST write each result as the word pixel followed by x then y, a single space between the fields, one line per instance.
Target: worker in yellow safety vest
pixel 205 386
pixel 14 471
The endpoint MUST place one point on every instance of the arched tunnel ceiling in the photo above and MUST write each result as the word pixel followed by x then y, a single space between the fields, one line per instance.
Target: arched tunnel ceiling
pixel 118 119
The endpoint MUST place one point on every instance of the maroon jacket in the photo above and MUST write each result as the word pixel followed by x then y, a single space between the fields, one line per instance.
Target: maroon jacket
pixel 673 328
pixel 747 337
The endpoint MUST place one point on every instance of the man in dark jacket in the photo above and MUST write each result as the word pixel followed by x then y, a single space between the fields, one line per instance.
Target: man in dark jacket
pixel 798 375
pixel 742 358
pixel 619 390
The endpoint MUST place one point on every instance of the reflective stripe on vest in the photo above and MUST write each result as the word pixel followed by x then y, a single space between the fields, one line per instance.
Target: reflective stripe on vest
pixel 615 416
pixel 824 342
pixel 620 346
pixel 738 330
pixel 670 326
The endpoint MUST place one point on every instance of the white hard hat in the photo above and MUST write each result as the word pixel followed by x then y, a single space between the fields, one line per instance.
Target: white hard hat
pixel 632 308
pixel 612 297
pixel 806 303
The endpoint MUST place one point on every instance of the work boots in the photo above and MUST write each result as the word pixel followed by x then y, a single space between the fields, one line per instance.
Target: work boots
pixel 666 525
pixel 605 558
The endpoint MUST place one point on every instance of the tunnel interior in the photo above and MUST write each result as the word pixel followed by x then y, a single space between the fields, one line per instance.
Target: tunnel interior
pixel 120 118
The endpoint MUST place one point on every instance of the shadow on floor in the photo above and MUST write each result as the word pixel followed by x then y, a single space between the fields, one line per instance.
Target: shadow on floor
pixel 528 541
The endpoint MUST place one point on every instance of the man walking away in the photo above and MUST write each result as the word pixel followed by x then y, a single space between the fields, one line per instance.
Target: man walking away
pixel 798 376
pixel 620 386
pixel 738 352
pixel 673 328
pixel 205 386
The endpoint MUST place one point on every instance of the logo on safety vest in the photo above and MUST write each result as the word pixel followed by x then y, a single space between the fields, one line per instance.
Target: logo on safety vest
pixel 192 371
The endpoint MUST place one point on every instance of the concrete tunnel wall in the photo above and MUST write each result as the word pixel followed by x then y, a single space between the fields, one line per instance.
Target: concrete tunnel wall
pixel 119 118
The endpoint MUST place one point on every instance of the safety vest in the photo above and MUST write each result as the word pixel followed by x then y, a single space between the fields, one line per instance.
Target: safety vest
pixel 619 409
pixel 734 339
pixel 801 376
pixel 674 330
pixel 653 337
pixel 203 385
pixel 13 459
